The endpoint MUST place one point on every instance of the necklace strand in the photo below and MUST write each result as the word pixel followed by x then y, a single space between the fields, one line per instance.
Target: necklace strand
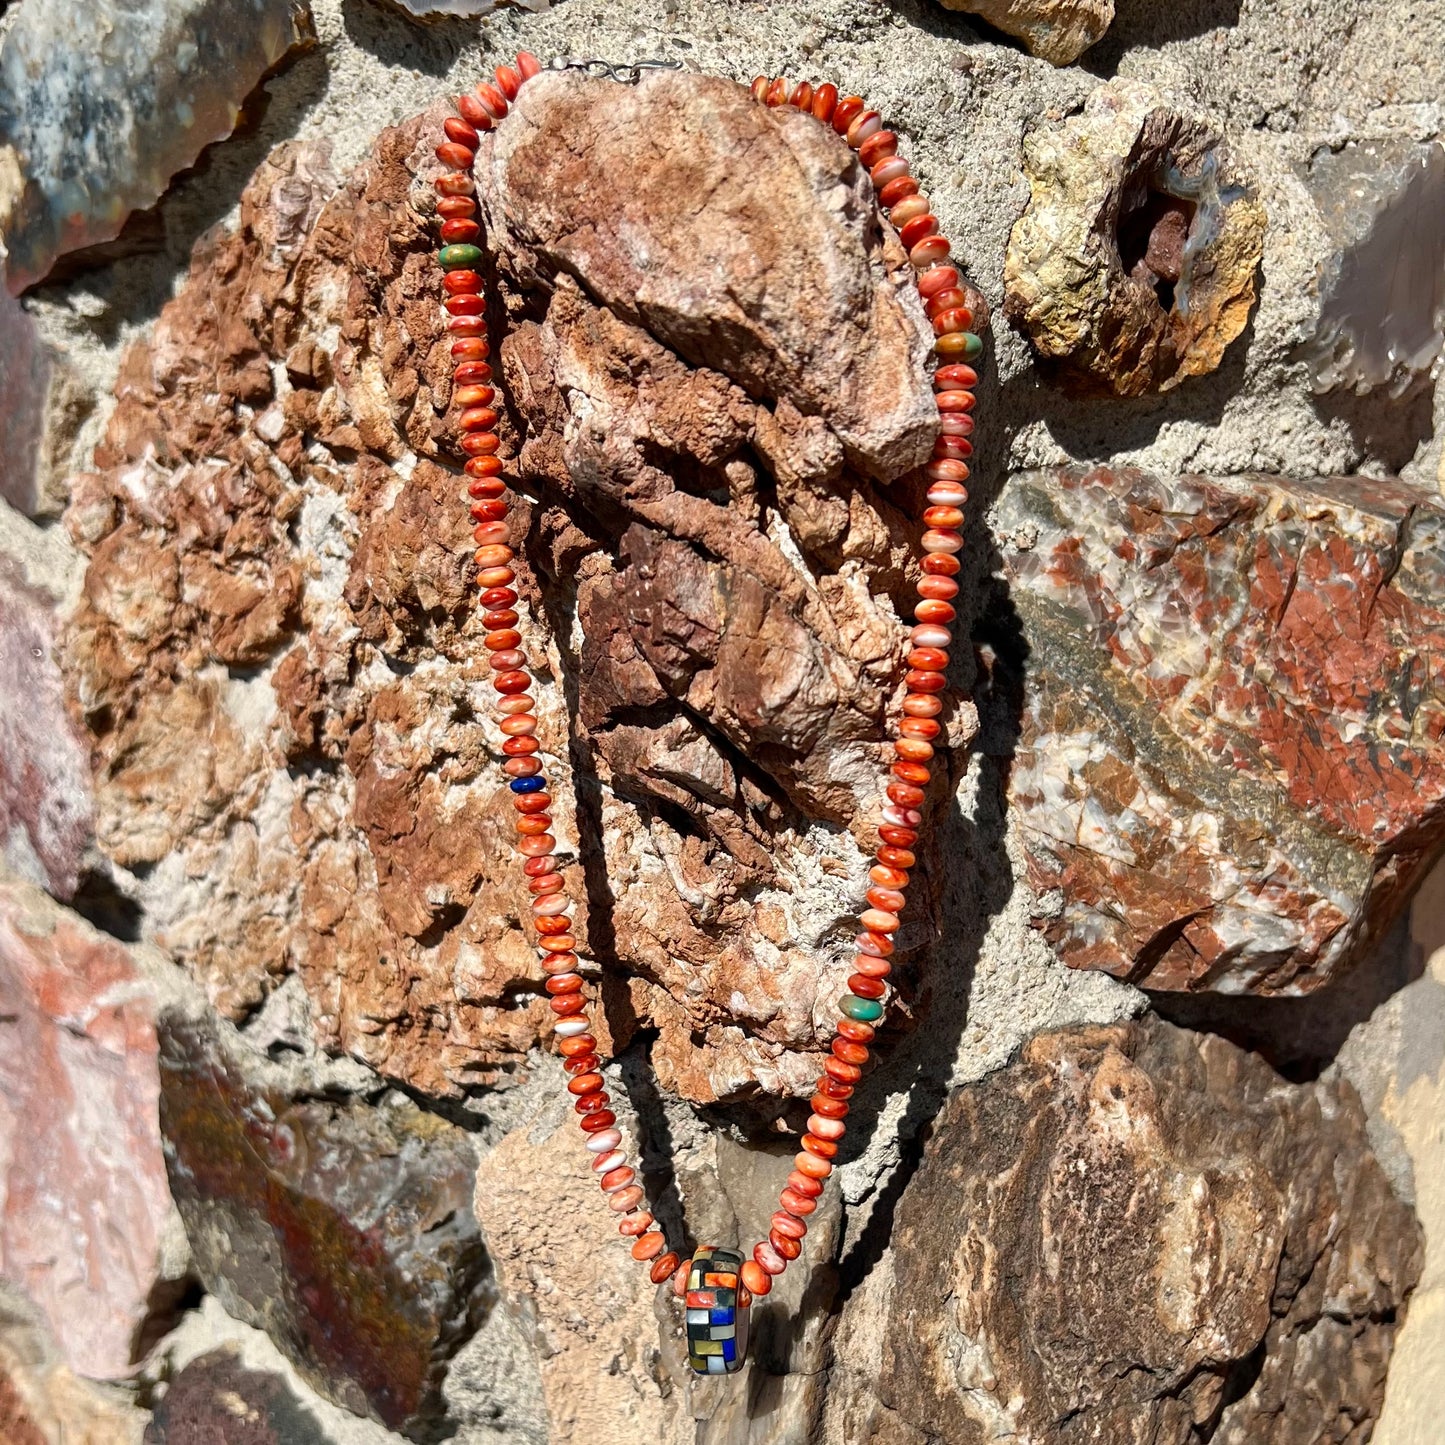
pixel 717 1285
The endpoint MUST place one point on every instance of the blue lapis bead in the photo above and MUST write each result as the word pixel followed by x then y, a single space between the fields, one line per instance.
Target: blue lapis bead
pixel 529 785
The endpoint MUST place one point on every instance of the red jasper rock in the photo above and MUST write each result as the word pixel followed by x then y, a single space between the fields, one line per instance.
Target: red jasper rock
pixel 1232 766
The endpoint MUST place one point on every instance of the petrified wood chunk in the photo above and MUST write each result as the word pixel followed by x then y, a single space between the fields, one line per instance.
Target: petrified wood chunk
pixel 344 1230
pixel 711 349
pixel 1134 1236
pixel 83 1186
pixel 1233 753
pixel 1133 267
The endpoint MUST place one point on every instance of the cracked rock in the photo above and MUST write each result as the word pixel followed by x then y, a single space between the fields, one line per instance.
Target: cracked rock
pixel 715 456
pixel 1213 772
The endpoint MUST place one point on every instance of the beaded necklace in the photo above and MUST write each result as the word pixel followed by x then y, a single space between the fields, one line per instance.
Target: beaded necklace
pixel 716 1285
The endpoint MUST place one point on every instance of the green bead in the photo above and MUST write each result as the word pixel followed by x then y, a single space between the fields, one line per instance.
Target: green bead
pixel 972 346
pixel 455 258
pixel 865 1010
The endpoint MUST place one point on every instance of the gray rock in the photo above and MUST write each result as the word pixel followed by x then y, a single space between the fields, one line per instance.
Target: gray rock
pixel 1382 294
pixel 100 105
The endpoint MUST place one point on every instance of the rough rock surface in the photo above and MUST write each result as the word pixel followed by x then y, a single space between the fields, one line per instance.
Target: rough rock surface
pixel 46 807
pixel 100 107
pixel 83 1199
pixel 1210 770
pixel 216 1399
pixel 343 1230
pixel 1134 1236
pixel 1134 265
pixel 1058 31
pixel 276 657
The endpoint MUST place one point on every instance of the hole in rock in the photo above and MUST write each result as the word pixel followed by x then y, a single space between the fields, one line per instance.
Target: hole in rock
pixel 1153 231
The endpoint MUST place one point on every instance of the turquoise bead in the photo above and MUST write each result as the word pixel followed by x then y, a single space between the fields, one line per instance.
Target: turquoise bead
pixel 865 1010
pixel 972 346
pixel 454 258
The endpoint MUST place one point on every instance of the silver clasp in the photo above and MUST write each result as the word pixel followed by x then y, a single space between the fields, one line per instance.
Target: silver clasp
pixel 628 74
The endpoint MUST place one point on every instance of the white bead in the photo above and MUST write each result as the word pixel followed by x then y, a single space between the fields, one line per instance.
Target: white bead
pixel 930 635
pixel 902 817
pixel 570 1028
pixel 603 1140
pixel 610 1160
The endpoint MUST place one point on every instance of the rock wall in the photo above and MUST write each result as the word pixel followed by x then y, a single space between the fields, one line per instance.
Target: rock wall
pixel 1144 1152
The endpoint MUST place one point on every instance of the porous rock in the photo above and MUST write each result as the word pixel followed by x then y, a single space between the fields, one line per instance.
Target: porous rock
pixel 85 1202
pixel 1134 1236
pixel 1213 772
pixel 277 656
pixel 1133 267
pixel 342 1228
pixel 1058 31
pixel 101 106
pixel 42 401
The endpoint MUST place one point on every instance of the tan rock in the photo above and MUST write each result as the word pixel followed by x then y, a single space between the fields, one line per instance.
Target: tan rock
pixel 1058 31
pixel 1134 265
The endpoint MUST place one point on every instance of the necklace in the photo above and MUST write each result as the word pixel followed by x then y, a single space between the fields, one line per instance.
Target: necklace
pixel 717 1285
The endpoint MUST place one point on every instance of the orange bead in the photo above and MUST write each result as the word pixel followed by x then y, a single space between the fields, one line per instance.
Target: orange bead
pixel 755 1278
pixel 786 1245
pixel 458 157
pixel 865 987
pixel 812 1166
pixel 635 1224
pixel 459 131
pixel 777 92
pixel 824 99
pixel 528 65
pixel 802 97
pixel 759 88
pixel 648 1246
pixel 509 82
pixel 663 1267
pixel 855 1031
pixel 623 1202
pixel 472 110
pixel 846 111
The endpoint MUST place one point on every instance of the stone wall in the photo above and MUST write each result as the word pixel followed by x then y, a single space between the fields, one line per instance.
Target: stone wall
pixel 1150 1152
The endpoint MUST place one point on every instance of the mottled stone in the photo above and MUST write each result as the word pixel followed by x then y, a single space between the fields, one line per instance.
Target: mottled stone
pixel 83 1197
pixel 46 806
pixel 343 1229
pixel 1382 292
pixel 274 648
pixel 1058 31
pixel 1133 1235
pixel 101 106
pixel 217 1399
pixel 431 11
pixel 1133 267
pixel 1231 765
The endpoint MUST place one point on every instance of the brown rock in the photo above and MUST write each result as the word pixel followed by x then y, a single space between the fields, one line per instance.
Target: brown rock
pixel 1212 770
pixel 275 652
pixel 1134 265
pixel 343 1230
pixel 1058 31
pixel 84 1186
pixel 1134 1236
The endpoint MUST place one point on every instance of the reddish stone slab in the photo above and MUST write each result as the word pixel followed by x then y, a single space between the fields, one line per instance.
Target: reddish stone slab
pixel 83 1195
pixel 46 807
pixel 1231 762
